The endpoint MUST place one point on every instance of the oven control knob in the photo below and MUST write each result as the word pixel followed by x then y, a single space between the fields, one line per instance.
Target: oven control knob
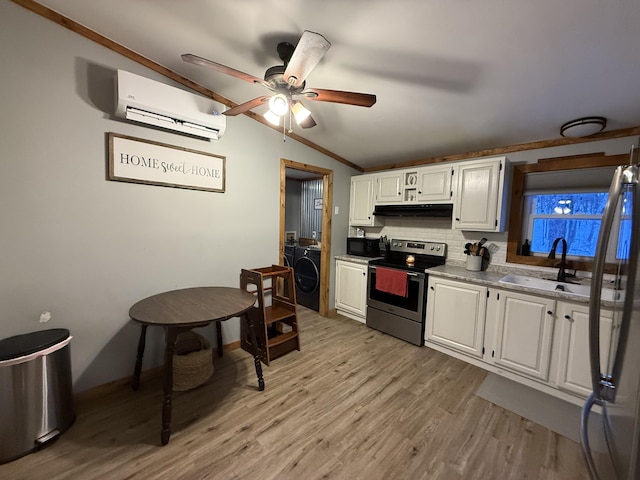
pixel 438 248
pixel 432 247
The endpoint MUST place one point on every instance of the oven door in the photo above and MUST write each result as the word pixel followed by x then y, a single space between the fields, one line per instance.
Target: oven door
pixel 411 307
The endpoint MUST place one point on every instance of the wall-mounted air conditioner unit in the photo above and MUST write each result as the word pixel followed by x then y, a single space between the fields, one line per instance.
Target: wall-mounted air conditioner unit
pixel 146 101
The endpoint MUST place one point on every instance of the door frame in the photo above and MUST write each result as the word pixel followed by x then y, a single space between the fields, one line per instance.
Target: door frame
pixel 327 206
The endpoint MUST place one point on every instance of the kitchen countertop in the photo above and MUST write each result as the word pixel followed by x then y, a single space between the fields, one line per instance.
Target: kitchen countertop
pixel 356 259
pixel 491 278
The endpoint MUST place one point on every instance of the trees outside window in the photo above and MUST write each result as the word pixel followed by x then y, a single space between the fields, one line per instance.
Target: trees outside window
pixel 576 217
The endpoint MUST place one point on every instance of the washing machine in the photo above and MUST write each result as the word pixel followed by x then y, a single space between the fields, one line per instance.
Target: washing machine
pixel 306 271
pixel 289 255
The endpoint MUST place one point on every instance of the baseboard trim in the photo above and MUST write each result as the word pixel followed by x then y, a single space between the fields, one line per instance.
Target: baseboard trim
pixel 145 376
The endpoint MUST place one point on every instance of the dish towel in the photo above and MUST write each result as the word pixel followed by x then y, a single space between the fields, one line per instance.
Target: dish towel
pixel 392 281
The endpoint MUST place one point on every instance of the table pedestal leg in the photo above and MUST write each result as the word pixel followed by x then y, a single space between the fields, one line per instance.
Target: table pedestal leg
pixel 219 337
pixel 256 353
pixel 170 337
pixel 135 383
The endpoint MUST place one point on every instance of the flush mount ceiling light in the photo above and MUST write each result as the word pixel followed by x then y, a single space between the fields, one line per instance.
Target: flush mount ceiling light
pixel 583 127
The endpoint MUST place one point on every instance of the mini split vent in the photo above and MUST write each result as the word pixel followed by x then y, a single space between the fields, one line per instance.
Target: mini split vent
pixel 142 100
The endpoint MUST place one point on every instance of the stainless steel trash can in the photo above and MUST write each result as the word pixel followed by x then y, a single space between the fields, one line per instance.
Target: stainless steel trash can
pixel 36 395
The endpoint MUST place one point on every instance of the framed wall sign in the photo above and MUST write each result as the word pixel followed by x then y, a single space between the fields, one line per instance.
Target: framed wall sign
pixel 143 161
pixel 317 204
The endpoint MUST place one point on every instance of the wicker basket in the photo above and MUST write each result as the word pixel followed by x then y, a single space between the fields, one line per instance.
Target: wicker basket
pixel 192 362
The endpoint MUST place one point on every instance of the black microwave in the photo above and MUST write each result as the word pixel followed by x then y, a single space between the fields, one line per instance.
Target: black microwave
pixel 363 247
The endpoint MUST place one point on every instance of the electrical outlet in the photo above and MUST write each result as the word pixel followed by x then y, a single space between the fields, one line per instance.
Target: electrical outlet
pixel 337 210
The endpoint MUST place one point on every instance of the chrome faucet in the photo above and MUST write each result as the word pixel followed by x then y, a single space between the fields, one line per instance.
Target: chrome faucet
pixel 562 274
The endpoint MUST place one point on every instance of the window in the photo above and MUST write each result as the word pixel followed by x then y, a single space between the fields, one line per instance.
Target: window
pixel 574 216
pixel 530 213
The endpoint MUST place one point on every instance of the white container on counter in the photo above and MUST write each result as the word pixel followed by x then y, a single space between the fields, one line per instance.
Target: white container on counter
pixel 474 263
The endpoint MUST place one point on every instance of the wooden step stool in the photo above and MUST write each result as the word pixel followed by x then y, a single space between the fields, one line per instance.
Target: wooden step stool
pixel 276 324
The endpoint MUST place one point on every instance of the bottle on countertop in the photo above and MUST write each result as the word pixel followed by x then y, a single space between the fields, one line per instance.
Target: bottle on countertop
pixel 526 248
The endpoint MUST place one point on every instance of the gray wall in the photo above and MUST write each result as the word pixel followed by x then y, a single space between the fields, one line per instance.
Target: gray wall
pixel 293 194
pixel 85 248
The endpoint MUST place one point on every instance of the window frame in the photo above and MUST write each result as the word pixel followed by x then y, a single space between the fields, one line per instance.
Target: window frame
pixel 529 217
pixel 515 236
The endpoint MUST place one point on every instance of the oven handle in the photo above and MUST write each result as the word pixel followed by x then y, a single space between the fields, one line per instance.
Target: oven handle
pixel 411 274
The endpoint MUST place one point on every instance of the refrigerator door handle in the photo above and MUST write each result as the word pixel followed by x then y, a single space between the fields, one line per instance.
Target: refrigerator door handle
pixel 596 283
pixel 584 437
pixel 631 174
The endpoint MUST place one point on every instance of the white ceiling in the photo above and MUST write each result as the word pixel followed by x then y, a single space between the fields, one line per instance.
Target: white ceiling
pixel 451 76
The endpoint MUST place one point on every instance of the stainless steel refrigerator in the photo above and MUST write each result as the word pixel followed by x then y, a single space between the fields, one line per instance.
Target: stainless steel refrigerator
pixel 616 377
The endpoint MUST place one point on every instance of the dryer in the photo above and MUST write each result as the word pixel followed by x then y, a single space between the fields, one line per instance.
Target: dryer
pixel 307 277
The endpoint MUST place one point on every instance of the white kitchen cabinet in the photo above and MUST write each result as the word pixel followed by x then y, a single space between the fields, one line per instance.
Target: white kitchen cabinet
pixel 431 184
pixel 524 333
pixel 435 184
pixel 389 187
pixel 573 373
pixel 351 289
pixel 456 315
pixel 361 200
pixel 479 201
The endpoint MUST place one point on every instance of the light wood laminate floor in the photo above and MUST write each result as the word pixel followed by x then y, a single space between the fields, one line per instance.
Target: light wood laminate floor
pixel 352 404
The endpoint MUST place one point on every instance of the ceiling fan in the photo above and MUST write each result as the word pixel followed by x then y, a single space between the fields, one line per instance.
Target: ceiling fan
pixel 289 80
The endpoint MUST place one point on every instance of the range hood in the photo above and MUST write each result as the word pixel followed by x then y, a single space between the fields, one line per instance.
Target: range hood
pixel 417 210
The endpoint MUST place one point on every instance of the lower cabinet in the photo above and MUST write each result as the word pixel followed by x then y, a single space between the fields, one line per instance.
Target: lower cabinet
pixel 531 338
pixel 351 289
pixel 456 315
pixel 523 333
pixel 573 373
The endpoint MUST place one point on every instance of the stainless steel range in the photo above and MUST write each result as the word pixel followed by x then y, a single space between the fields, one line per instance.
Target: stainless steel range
pixel 397 288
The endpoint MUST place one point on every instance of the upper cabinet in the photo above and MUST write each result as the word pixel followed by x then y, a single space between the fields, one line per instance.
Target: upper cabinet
pixel 429 185
pixel 479 203
pixel 389 187
pixel 476 188
pixel 361 201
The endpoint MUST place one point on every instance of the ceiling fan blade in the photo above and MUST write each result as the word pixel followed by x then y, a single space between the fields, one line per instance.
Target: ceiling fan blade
pixel 309 51
pixel 203 62
pixel 338 96
pixel 246 106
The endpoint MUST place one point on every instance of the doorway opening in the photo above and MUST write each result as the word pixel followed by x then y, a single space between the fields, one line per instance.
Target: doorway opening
pixel 302 171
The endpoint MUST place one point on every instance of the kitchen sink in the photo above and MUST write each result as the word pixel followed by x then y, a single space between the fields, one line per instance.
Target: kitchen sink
pixel 607 294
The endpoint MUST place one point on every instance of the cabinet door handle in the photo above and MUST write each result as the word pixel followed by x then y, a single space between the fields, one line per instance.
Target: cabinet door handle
pixel 364 273
pixel 419 192
pixel 457 219
pixel 432 288
pixel 549 312
pixel 568 317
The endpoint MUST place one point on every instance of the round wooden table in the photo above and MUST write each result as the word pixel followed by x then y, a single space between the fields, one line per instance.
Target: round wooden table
pixel 181 310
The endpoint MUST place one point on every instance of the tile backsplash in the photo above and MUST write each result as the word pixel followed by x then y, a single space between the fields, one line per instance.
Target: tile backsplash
pixel 439 230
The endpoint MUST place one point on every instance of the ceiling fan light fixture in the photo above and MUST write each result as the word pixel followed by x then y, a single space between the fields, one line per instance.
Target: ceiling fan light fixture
pixel 300 112
pixel 308 122
pixel 272 118
pixel 583 127
pixel 278 104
